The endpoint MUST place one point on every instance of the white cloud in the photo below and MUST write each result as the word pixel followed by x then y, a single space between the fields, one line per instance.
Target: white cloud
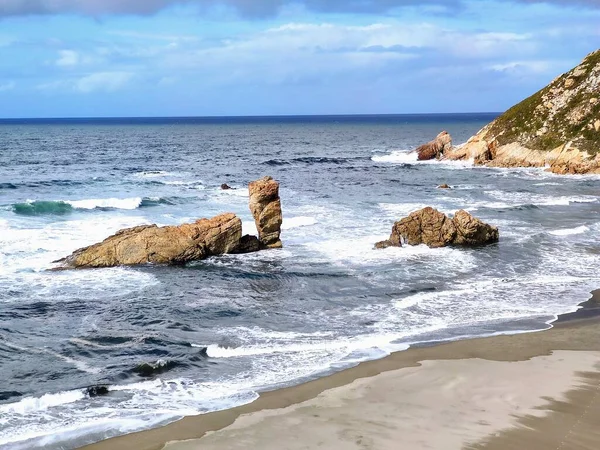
pixel 67 58
pixel 103 81
pixel 523 67
pixel 7 86
pixel 295 52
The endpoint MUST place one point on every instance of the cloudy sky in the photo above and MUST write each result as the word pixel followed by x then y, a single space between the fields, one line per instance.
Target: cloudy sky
pixel 92 58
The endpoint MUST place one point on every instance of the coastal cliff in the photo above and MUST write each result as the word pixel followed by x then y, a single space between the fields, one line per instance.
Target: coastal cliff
pixel 557 127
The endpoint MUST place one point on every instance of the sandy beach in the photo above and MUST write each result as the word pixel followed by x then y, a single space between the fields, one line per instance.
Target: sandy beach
pixel 534 390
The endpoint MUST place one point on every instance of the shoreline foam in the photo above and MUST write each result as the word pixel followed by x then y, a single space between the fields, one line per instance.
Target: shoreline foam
pixel 574 332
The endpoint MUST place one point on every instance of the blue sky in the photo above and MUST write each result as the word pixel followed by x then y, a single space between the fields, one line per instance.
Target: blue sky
pixel 94 58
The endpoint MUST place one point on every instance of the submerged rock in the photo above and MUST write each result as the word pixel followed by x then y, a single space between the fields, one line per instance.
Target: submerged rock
pixel 265 206
pixel 557 127
pixel 431 227
pixel 444 186
pixel 435 148
pixel 161 245
pixel 150 369
pixel 97 391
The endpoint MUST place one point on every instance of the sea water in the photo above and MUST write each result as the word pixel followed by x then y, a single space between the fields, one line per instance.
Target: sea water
pixel 229 327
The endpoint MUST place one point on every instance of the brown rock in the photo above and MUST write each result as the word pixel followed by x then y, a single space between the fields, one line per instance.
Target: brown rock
pixel 385 244
pixel 225 187
pixel 248 244
pixel 444 186
pixel 430 227
pixel 265 206
pixel 161 245
pixel 472 231
pixel 435 148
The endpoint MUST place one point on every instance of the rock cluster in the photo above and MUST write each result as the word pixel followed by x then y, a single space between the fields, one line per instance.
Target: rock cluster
pixel 557 127
pixel 265 206
pixel 431 227
pixel 175 245
pixel 435 148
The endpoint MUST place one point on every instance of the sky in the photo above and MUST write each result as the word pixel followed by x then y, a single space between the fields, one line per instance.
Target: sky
pixel 123 58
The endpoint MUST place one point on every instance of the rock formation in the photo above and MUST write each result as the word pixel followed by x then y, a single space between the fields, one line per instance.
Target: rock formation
pixel 430 227
pixel 191 241
pixel 444 186
pixel 265 206
pixel 558 127
pixel 435 148
pixel 162 245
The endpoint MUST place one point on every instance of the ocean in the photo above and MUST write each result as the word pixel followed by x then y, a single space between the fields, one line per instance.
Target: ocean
pixel 224 329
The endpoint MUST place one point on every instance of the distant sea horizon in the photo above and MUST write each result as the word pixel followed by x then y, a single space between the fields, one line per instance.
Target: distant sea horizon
pixel 283 118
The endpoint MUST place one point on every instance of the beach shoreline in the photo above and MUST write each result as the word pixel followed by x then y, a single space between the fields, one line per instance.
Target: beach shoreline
pixel 574 332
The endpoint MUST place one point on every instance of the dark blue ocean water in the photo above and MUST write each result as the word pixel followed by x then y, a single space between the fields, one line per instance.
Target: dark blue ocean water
pixel 324 302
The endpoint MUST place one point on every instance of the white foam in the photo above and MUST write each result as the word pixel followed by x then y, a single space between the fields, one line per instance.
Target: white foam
pixel 355 253
pixel 234 192
pixel 117 203
pixel 398 157
pixel 515 199
pixel 27 253
pixel 296 222
pixel 183 183
pixel 156 174
pixel 411 157
pixel 30 405
pixel 570 231
pixel 249 227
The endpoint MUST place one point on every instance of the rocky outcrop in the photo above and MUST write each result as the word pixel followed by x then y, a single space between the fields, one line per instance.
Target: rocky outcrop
pixel 431 227
pixel 265 206
pixel 174 245
pixel 435 148
pixel 162 245
pixel 557 127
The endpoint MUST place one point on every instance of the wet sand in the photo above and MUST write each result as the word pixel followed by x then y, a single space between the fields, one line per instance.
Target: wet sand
pixel 535 391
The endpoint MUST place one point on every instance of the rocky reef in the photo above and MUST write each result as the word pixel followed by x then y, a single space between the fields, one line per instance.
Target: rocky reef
pixel 431 227
pixel 174 245
pixel 436 148
pixel 557 127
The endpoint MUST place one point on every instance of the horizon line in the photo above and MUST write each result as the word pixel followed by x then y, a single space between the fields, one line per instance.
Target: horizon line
pixel 258 116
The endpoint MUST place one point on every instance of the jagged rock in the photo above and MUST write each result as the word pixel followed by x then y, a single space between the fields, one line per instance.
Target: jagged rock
pixel 431 227
pixel 161 245
pixel 472 231
pixel 435 148
pixel 225 187
pixel 248 244
pixel 557 127
pixel 265 206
